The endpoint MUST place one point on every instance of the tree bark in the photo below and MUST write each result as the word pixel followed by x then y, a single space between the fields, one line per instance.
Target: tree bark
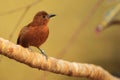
pixel 36 60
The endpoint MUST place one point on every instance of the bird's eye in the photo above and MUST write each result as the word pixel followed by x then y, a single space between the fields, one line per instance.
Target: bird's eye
pixel 44 16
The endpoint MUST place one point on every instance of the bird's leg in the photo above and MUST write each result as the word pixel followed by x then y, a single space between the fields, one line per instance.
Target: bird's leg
pixel 42 51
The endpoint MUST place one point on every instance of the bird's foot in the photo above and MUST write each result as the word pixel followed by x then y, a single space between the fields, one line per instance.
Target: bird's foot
pixel 43 52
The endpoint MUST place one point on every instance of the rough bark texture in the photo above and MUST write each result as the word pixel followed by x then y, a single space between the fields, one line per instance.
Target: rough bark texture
pixel 36 60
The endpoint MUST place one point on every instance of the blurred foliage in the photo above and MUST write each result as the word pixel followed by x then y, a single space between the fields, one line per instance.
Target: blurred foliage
pixel 102 49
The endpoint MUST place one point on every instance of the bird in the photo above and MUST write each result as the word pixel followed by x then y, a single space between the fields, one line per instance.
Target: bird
pixel 36 32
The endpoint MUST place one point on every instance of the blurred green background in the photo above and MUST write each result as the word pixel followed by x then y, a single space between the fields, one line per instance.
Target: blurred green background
pixel 73 29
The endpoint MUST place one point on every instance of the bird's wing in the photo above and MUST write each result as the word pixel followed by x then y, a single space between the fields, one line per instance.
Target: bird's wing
pixel 21 34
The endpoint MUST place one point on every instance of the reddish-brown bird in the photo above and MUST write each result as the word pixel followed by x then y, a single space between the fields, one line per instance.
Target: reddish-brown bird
pixel 36 32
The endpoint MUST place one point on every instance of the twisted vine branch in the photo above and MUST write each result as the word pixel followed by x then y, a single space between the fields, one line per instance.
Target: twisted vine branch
pixel 58 66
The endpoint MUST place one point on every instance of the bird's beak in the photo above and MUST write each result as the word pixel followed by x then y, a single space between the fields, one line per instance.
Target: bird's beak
pixel 51 15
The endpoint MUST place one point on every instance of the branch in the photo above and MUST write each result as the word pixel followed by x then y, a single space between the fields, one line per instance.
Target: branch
pixel 36 60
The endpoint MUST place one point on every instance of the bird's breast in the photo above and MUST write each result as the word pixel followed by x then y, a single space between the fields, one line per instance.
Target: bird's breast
pixel 37 35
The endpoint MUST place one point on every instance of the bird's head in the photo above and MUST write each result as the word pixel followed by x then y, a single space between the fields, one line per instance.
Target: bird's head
pixel 42 18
